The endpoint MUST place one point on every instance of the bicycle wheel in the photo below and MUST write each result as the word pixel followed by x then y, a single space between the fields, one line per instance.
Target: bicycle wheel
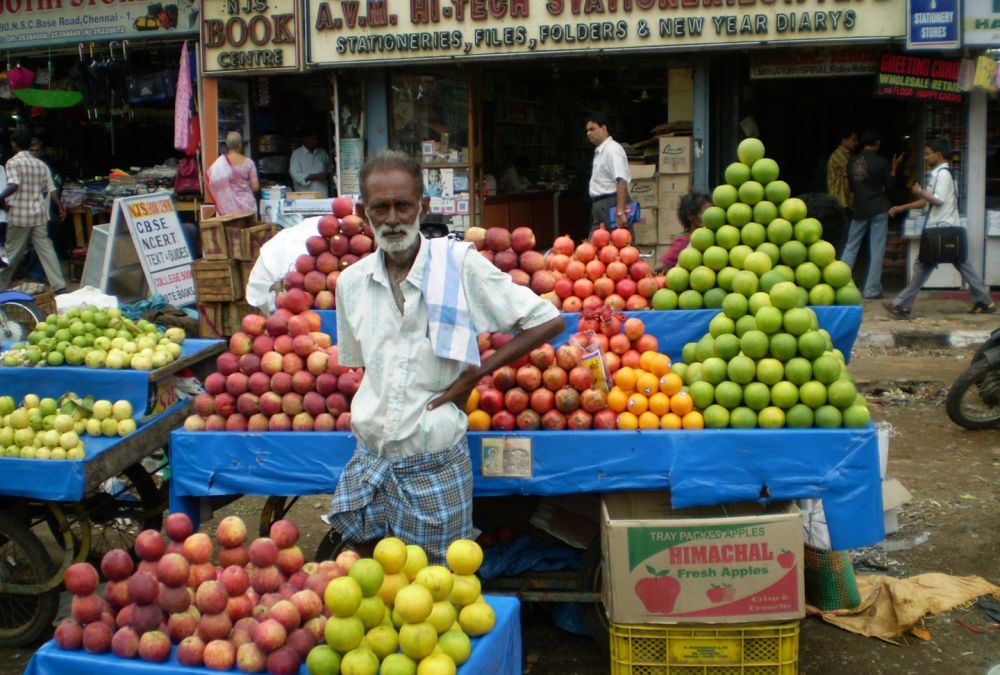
pixel 24 619
pixel 974 400
pixel 592 579
pixel 117 516
pixel 18 318
pixel 330 546
pixel 275 508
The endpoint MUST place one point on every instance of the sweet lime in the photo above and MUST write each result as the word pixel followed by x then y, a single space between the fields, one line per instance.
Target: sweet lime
pixel 702 238
pixel 769 319
pixel 735 305
pixel 724 277
pixel 842 393
pixel 677 279
pixel 784 295
pixel 769 279
pixel 758 263
pixel 702 392
pixel 691 375
pixel 742 370
pixel 826 369
pixel 664 298
pixel 753 234
pixel 822 295
pixel 797 320
pixel 812 345
pixel 758 300
pixel 728 394
pixel 713 369
pixel 742 418
pixel 792 209
pixel 745 283
pixel 848 295
pixel 772 252
pixel 750 150
pixel 716 417
pixel 754 343
pixel 770 371
pixel 794 253
pixel 798 370
pixel 727 236
pixel 757 396
pixel 777 191
pixel 744 324
pixel 807 275
pixel 828 417
pixel 724 196
pixel 713 298
pixel 799 416
pixel 771 417
pixel 764 170
pixel 738 255
pixel 837 274
pixel 713 218
pixel 705 348
pixel 786 272
pixel 739 214
pixel 779 231
pixel 702 278
pixel 727 346
pixel 720 325
pixel 689 352
pixel 808 231
pixel 714 257
pixel 764 212
pixel 750 193
pixel 737 173
pixel 689 258
pixel 783 347
pixel 784 394
pixel 855 416
pixel 812 393
pixel 690 299
pixel 822 253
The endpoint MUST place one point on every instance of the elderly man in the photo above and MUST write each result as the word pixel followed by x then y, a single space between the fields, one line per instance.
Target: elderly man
pixel 410 314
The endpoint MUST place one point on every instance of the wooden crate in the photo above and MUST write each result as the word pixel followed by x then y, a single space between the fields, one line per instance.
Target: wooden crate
pixel 46 302
pixel 243 243
pixel 245 268
pixel 214 245
pixel 217 280
pixel 222 319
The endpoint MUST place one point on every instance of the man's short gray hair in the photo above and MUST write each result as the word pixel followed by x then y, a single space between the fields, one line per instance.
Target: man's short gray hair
pixel 391 160
pixel 234 141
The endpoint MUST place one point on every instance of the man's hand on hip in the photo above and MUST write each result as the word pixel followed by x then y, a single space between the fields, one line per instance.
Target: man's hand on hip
pixel 458 392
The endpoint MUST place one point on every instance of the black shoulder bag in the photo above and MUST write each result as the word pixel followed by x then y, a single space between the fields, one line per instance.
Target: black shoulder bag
pixel 943 244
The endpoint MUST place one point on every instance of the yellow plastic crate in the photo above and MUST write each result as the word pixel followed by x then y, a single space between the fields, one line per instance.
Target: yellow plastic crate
pixel 741 649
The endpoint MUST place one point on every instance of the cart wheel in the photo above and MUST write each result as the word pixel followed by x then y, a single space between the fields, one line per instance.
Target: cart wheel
pixel 116 518
pixel 330 546
pixel 275 508
pixel 24 619
pixel 18 318
pixel 592 579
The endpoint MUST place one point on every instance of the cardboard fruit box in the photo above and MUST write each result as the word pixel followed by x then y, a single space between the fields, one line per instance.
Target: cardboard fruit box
pixel 720 564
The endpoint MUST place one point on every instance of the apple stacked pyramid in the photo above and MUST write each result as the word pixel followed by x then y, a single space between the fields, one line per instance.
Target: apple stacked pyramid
pixel 754 236
pixel 766 362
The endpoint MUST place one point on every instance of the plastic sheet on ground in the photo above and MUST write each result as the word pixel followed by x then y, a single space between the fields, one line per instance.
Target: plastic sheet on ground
pixel 840 466
pixel 525 554
pixel 497 653
pixel 675 328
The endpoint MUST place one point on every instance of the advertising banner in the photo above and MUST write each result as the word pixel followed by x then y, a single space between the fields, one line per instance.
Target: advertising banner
pixel 249 36
pixel 163 251
pixel 31 23
pixel 981 23
pixel 917 78
pixel 932 24
pixel 386 31
pixel 786 63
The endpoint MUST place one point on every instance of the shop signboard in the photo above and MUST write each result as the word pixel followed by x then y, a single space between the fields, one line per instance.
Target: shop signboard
pixel 160 244
pixel 981 23
pixel 240 36
pixel 33 23
pixel 918 78
pixel 386 31
pixel 932 24
pixel 787 63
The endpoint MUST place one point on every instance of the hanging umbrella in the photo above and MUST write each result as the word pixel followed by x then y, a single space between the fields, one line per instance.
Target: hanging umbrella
pixel 80 73
pixel 48 98
pixel 117 71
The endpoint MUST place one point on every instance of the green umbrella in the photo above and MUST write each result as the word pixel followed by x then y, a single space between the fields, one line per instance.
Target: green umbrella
pixel 49 98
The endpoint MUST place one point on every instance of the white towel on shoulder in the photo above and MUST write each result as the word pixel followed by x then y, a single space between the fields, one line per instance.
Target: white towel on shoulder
pixel 449 324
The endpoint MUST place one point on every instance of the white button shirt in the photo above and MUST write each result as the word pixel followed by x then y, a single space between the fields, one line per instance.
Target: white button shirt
pixel 304 163
pixel 610 164
pixel 389 412
pixel 942 186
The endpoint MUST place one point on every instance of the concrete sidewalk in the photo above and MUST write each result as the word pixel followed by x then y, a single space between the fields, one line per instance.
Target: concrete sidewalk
pixel 940 319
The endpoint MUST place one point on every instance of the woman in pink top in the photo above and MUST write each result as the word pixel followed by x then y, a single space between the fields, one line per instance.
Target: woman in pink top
pixel 689 211
pixel 232 179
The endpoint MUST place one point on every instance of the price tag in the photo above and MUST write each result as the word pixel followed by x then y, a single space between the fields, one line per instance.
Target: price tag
pixel 507 457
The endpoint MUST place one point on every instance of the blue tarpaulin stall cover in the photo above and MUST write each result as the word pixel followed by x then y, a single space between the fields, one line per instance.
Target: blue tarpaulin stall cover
pixel 675 328
pixel 131 385
pixel 497 653
pixel 700 467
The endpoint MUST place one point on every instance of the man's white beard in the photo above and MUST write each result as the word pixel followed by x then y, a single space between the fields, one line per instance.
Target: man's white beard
pixel 394 247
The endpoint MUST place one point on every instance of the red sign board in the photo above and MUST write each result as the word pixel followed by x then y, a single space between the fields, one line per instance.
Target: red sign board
pixel 917 78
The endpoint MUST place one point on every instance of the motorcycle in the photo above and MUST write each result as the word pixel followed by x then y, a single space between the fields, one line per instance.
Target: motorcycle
pixel 974 400
pixel 18 316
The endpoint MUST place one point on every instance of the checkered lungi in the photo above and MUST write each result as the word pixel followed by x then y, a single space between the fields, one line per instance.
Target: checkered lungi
pixel 425 499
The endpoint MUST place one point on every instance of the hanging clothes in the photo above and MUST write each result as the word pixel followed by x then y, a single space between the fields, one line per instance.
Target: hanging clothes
pixel 19 77
pixel 182 103
pixel 80 73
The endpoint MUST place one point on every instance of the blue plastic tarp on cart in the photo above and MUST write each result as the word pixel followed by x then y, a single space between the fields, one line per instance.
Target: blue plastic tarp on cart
pixel 840 466
pixel 101 383
pixel 675 328
pixel 497 653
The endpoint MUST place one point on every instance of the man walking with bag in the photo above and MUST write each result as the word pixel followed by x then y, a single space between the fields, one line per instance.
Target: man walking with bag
pixel 943 202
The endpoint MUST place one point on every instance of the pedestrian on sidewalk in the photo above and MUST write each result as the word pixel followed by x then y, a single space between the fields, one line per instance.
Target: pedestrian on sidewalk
pixel 871 177
pixel 943 203
pixel 837 183
pixel 29 189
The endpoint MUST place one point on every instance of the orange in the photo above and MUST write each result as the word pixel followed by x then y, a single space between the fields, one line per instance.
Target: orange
pixel 617 400
pixel 670 421
pixel 637 404
pixel 627 420
pixel 646 360
pixel 693 420
pixel 659 404
pixel 648 420
pixel 473 401
pixel 681 403
pixel 647 384
pixel 479 420
pixel 625 379
pixel 671 383
pixel 660 365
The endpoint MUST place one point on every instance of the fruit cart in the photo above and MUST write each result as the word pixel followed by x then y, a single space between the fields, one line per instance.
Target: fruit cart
pixel 89 505
pixel 840 465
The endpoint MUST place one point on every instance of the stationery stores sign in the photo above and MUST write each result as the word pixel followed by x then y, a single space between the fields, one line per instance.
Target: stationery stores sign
pixel 350 32
pixel 249 36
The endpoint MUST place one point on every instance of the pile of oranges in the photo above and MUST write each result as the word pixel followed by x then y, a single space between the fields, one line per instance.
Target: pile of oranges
pixel 650 396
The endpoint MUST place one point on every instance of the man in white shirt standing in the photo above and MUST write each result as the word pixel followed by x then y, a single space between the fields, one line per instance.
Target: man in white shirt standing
pixel 310 167
pixel 610 176
pixel 409 314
